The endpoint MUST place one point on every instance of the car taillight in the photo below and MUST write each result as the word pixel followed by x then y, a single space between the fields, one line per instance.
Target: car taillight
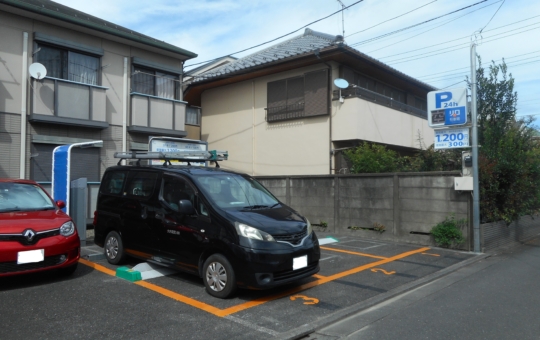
pixel 94 222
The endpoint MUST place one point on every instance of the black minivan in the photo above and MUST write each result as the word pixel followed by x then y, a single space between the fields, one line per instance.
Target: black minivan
pixel 221 225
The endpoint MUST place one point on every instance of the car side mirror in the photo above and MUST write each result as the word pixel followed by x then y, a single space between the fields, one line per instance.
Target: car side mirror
pixel 185 207
pixel 60 204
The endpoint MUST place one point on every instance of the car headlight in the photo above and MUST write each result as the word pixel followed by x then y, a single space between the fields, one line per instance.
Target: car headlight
pixel 253 233
pixel 309 228
pixel 67 229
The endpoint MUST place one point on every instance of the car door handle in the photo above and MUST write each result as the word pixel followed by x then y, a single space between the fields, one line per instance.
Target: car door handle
pixel 166 221
pixel 159 216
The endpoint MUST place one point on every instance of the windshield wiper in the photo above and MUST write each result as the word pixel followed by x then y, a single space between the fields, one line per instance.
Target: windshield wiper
pixel 274 205
pixel 9 210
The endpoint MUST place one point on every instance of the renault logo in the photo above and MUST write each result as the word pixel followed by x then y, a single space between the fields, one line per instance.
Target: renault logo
pixel 29 234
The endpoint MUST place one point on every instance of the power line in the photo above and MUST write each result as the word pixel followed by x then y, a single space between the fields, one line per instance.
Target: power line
pixel 493 16
pixel 449 76
pixel 269 41
pixel 466 67
pixel 415 25
pixel 391 19
pixel 430 29
pixel 459 82
pixel 400 62
pixel 449 41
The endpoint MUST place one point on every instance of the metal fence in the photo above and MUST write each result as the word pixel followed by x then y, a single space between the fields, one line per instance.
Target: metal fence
pixel 381 100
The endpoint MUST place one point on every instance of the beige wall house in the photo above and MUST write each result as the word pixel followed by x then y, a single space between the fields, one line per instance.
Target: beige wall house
pixel 278 111
pixel 104 82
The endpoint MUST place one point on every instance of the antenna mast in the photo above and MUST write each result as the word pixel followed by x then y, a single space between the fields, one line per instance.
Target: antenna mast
pixel 342 18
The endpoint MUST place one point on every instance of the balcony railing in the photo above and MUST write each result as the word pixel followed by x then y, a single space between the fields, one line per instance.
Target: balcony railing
pixel 285 112
pixel 156 115
pixel 61 101
pixel 380 99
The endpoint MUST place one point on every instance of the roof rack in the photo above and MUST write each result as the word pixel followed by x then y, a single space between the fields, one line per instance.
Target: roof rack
pixel 182 156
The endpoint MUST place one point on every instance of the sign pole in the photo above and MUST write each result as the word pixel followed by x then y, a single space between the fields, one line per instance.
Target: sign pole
pixel 476 186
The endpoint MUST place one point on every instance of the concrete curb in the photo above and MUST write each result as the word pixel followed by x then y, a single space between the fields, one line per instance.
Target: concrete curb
pixel 316 325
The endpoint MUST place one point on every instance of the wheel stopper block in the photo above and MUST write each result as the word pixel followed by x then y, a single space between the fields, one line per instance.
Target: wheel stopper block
pixel 128 274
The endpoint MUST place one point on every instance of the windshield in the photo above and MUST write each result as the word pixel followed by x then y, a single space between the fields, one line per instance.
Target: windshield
pixel 235 191
pixel 23 197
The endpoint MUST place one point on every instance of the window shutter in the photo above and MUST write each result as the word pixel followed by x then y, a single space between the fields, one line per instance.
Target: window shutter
pixel 41 168
pixel 295 95
pixel 84 163
pixel 316 93
pixel 277 96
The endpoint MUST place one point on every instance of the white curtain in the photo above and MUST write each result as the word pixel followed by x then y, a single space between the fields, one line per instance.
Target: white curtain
pixel 165 85
pixel 83 68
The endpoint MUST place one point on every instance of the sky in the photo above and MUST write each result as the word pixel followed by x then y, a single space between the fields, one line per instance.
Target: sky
pixel 425 39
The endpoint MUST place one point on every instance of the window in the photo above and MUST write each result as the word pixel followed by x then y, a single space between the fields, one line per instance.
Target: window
pixel 113 182
pixel 175 189
pixel 193 115
pixel 420 104
pixel 155 83
pixel 298 97
pixel 141 184
pixel 64 64
pixel 372 85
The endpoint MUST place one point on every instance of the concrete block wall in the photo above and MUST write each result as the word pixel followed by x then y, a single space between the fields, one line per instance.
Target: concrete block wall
pixel 498 234
pixel 408 205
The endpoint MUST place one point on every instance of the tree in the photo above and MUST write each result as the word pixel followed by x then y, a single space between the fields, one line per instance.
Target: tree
pixel 509 162
pixel 372 158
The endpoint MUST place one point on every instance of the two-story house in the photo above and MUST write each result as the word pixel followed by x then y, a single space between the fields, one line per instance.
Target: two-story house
pixel 278 111
pixel 103 82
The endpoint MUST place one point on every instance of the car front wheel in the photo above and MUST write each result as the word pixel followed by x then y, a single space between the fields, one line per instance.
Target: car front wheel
pixel 114 248
pixel 219 277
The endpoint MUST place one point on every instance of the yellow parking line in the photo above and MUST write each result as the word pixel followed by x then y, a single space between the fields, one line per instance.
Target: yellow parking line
pixel 243 306
pixel 182 298
pixel 98 267
pixel 353 253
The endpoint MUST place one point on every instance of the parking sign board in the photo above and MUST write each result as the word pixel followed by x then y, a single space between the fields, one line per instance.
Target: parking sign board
pixel 447 107
pixel 451 138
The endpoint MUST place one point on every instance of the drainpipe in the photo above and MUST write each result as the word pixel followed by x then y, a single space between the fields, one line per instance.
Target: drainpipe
pixel 330 118
pixel 124 106
pixel 22 164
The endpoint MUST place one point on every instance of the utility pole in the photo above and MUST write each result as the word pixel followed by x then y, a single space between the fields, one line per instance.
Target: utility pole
pixel 476 186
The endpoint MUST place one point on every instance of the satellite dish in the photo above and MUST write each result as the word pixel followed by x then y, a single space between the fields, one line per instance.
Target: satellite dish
pixel 37 71
pixel 341 83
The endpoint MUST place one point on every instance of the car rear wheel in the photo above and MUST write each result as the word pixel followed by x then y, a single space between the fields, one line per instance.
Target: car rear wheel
pixel 114 248
pixel 219 277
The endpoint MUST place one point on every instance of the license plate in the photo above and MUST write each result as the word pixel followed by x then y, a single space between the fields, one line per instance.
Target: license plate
pixel 299 262
pixel 30 256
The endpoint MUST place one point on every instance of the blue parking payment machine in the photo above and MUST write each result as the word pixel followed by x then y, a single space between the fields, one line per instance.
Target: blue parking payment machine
pixel 447 108
pixel 61 178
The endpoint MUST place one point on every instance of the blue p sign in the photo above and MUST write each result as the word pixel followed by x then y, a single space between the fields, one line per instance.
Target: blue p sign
pixel 441 97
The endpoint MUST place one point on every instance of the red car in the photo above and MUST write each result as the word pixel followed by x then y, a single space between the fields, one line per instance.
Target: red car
pixel 35 234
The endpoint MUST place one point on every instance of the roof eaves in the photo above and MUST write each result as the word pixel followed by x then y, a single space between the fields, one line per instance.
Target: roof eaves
pixel 306 43
pixel 101 28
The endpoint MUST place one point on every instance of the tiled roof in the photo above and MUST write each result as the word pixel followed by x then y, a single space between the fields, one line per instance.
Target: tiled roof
pixel 55 10
pixel 305 43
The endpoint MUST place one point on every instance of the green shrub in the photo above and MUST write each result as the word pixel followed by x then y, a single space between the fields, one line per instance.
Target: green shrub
pixel 448 232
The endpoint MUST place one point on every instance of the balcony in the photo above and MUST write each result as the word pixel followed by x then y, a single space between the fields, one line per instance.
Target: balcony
pixel 64 102
pixel 359 92
pixel 156 115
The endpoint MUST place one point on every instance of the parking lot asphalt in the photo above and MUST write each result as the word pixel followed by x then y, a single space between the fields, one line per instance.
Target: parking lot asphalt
pixel 355 274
